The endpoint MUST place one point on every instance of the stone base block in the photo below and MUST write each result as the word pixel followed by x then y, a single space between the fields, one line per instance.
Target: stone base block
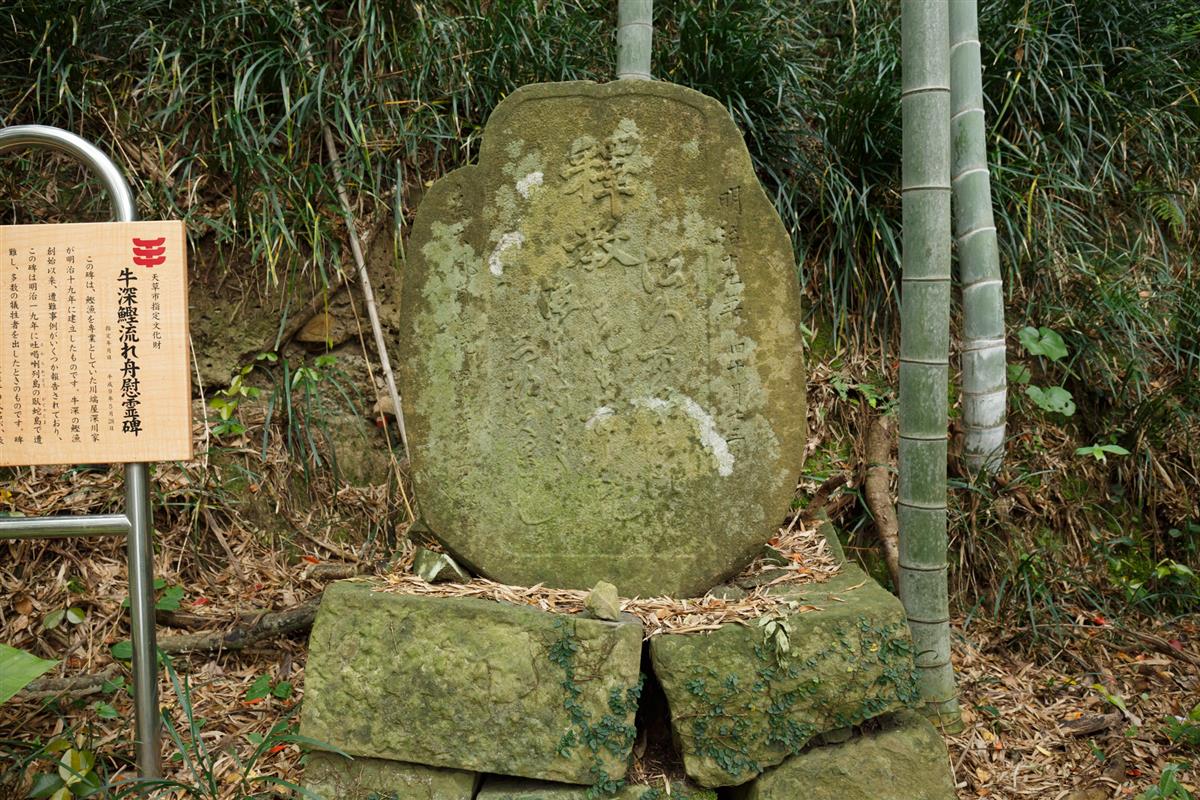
pixel 740 702
pixel 334 777
pixel 499 788
pixel 904 759
pixel 472 684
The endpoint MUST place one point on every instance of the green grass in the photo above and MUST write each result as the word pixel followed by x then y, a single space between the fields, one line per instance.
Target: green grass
pixel 1093 108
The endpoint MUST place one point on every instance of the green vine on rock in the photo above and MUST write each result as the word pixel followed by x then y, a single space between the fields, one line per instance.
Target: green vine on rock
pixel 788 692
pixel 612 733
pixel 721 733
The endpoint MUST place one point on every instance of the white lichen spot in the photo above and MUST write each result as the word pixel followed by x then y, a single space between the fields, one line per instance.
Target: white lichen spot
pixel 525 185
pixel 510 239
pixel 599 415
pixel 652 403
pixel 706 427
pixel 691 148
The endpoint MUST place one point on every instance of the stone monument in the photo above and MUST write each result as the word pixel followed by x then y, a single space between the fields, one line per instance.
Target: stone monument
pixel 603 384
pixel 601 352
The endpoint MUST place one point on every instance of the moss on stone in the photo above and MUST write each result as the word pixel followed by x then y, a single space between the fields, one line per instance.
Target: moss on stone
pixel 740 704
pixel 472 684
pixel 602 348
pixel 502 788
pixel 333 777
pixel 903 758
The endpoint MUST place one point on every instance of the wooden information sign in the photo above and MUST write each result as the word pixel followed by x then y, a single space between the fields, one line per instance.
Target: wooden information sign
pixel 94 344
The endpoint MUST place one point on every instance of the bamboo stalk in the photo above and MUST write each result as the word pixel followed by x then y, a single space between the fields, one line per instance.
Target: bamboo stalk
pixel 635 32
pixel 984 378
pixel 925 347
pixel 364 281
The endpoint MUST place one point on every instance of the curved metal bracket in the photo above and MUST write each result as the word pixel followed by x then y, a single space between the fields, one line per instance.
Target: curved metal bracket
pixel 136 521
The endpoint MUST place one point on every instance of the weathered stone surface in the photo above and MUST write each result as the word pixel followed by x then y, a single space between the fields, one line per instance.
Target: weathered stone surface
pixel 602 602
pixel 499 788
pixel 334 777
pixel 738 704
pixel 437 567
pixel 472 684
pixel 360 450
pixel 602 349
pixel 905 759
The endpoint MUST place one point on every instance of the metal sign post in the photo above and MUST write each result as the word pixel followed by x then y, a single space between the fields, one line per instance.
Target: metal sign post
pixel 135 524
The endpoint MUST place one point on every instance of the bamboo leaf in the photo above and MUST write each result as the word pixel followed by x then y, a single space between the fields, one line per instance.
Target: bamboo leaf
pixel 1054 399
pixel 18 669
pixel 1043 342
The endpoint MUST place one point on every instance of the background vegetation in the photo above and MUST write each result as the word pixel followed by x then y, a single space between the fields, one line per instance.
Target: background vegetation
pixel 1094 115
pixel 215 110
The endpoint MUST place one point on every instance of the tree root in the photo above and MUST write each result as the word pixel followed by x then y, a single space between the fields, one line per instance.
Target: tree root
pixel 820 505
pixel 877 493
pixel 264 626
pixel 253 629
pixel 76 684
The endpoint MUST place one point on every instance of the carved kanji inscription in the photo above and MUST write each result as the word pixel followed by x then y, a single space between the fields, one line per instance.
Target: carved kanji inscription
pixel 601 355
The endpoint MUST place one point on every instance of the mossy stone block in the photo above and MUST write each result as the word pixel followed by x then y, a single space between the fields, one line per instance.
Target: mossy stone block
pixel 472 684
pixel 602 348
pixel 903 759
pixel 334 777
pixel 740 704
pixel 502 788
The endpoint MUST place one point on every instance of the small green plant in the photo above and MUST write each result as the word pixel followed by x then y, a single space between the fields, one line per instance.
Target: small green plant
pixel 1169 787
pixel 263 687
pixel 227 400
pixel 1047 344
pixel 1164 205
pixel 612 733
pixel 882 399
pixel 105 709
pixel 300 395
pixel 1133 565
pixel 1113 699
pixel 1145 574
pixel 1184 731
pixel 72 774
pixel 1043 342
pixel 73 615
pixel 169 596
pixel 18 669
pixel 203 781
pixel 1100 452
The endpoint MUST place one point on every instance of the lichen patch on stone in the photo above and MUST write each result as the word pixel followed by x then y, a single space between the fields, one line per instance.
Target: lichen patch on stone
pixel 510 239
pixel 525 185
pixel 706 427
pixel 642 272
pixel 599 415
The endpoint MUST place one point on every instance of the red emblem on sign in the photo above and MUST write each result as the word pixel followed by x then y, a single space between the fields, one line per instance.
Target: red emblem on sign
pixel 149 252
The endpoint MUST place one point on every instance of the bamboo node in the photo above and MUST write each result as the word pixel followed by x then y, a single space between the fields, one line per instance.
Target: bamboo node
pixel 919 89
pixel 922 506
pixel 971 171
pixel 972 232
pixel 970 345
